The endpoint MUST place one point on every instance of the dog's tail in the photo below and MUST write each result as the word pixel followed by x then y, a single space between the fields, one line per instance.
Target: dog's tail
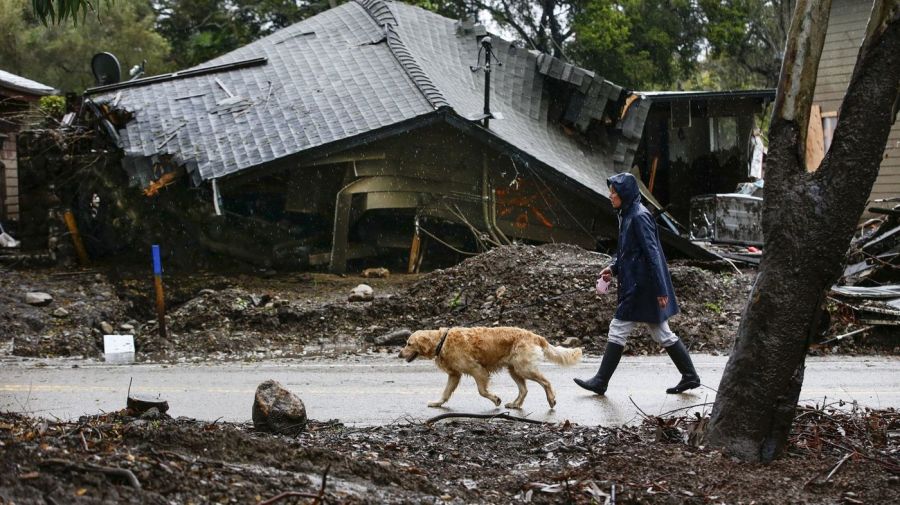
pixel 560 355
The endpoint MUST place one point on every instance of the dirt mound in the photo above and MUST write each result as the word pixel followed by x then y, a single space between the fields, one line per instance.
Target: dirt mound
pixel 550 290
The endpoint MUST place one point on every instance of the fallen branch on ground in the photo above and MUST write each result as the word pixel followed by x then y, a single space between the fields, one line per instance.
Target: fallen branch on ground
pixel 504 415
pixel 87 467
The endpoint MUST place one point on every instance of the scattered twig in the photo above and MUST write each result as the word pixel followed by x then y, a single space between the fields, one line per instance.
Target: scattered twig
pixel 287 494
pixel 837 466
pixel 324 479
pixel 664 414
pixel 639 409
pixel 503 415
pixel 320 496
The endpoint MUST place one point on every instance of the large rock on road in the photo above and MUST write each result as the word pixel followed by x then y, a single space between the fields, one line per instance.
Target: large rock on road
pixel 277 410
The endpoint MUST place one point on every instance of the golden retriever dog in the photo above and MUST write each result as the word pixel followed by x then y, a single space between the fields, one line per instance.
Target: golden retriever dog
pixel 479 352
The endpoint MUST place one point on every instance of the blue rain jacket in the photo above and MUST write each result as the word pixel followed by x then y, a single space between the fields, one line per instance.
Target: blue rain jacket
pixel 640 264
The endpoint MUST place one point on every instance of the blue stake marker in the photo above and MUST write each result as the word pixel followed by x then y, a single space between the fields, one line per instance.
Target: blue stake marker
pixel 160 298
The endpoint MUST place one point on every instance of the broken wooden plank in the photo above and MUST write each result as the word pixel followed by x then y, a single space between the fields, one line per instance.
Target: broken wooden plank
pixel 815 140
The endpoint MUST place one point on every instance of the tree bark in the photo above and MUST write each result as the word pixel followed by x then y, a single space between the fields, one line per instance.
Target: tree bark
pixel 808 222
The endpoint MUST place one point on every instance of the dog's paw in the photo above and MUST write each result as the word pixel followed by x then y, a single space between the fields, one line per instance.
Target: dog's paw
pixel 552 403
pixel 513 405
pixel 436 404
pixel 496 401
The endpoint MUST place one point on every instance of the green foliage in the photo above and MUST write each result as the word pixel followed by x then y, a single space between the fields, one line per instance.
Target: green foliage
pixel 454 9
pixel 57 11
pixel 60 55
pixel 200 30
pixel 53 106
pixel 713 306
pixel 638 43
pixel 746 39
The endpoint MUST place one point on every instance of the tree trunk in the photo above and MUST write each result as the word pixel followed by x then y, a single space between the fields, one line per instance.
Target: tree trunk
pixel 808 222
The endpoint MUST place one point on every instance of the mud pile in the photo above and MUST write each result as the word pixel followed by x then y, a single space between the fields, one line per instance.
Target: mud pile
pixel 550 290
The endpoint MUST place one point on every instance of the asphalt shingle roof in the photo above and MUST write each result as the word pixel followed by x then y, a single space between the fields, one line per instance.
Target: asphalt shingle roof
pixel 349 71
pixel 25 85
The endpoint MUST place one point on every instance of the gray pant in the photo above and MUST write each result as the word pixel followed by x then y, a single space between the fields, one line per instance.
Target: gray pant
pixel 620 330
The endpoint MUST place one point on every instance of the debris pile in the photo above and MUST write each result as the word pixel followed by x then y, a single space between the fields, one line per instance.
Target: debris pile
pixel 866 301
pixel 61 313
pixel 548 289
pixel 835 455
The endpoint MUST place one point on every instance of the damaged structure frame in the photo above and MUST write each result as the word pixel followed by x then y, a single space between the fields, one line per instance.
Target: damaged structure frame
pixel 365 129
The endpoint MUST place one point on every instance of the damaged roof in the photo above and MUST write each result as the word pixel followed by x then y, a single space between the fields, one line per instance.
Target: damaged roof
pixel 351 72
pixel 23 85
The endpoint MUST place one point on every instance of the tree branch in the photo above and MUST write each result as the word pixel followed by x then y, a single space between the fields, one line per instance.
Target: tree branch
pixel 506 16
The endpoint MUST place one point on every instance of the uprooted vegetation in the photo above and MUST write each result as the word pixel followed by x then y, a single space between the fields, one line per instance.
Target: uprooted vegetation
pixel 836 454
pixel 547 289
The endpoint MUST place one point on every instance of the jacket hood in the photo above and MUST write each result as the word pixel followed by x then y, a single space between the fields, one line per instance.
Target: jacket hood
pixel 627 188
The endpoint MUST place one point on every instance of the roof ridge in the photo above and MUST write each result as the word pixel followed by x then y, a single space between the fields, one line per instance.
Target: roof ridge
pixel 381 13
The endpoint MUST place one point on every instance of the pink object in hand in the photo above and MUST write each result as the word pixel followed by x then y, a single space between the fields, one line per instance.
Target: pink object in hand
pixel 602 286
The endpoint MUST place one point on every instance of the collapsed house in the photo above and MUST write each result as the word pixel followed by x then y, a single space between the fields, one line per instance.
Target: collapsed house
pixel 380 127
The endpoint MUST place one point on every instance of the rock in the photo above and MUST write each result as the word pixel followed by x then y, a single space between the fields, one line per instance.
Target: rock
pixel 393 338
pixel 151 414
pixel 260 300
pixel 106 328
pixel 38 298
pixel 126 327
pixel 362 293
pixel 571 342
pixel 60 312
pixel 277 410
pixel 376 273
pixel 33 322
pixel 204 292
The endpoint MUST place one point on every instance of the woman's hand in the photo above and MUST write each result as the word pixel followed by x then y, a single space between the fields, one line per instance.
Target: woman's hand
pixel 663 301
pixel 606 274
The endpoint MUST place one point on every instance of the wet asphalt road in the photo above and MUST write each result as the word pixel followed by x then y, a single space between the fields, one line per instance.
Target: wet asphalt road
pixel 374 390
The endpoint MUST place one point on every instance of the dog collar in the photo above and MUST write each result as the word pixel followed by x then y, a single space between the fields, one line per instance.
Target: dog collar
pixel 437 350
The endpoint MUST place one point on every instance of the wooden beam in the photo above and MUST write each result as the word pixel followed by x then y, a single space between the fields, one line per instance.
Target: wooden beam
pixel 815 140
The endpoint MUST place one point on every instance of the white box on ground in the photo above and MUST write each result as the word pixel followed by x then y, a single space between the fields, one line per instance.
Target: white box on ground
pixel 118 348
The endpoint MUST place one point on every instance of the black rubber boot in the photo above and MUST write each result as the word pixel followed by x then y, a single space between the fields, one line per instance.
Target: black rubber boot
pixel 682 360
pixel 608 364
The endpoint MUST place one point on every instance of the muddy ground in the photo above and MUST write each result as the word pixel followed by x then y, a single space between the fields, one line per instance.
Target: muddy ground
pixel 252 314
pixel 836 455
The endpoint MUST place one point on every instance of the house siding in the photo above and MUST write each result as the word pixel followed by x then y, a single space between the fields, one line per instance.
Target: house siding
pixel 9 173
pixel 846 29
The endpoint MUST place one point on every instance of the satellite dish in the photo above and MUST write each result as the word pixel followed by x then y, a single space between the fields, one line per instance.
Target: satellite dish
pixel 106 69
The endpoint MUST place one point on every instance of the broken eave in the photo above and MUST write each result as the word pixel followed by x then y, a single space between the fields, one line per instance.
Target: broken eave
pixel 195 72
